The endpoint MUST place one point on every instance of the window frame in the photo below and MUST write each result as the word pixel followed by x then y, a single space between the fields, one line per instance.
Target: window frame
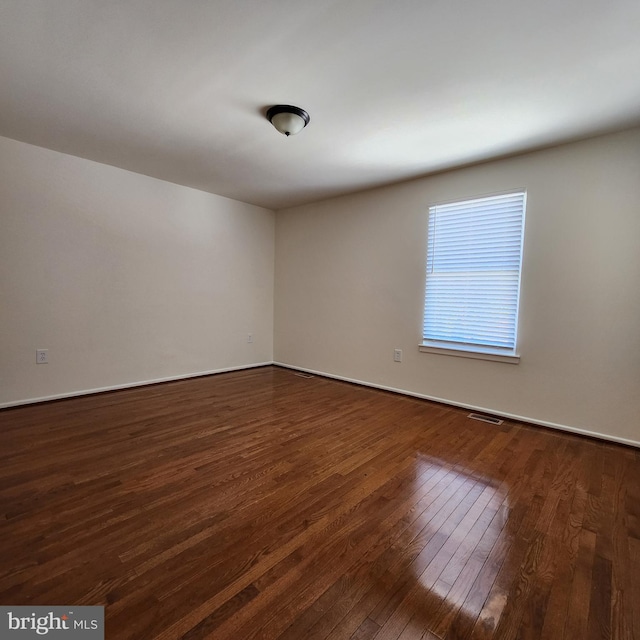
pixel 469 350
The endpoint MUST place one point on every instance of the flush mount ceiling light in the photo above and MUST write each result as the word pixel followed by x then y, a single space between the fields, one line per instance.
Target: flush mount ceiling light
pixel 288 119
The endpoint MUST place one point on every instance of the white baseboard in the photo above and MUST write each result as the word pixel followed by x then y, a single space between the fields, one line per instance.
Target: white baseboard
pixel 511 416
pixel 130 385
pixel 142 383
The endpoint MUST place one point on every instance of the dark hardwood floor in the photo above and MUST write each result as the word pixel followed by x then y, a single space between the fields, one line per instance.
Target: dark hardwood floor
pixel 260 504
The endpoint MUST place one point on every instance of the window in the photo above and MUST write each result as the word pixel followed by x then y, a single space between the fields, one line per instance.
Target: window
pixel 474 256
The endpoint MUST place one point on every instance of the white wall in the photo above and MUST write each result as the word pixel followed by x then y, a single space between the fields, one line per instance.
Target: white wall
pixel 350 278
pixel 124 278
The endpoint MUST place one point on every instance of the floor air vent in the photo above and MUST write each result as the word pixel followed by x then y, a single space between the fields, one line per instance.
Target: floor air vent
pixel 489 419
pixel 303 375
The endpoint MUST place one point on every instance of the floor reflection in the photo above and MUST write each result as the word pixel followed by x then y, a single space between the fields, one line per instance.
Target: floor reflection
pixel 447 558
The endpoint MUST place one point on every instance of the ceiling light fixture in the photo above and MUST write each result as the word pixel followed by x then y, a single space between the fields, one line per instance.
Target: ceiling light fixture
pixel 288 119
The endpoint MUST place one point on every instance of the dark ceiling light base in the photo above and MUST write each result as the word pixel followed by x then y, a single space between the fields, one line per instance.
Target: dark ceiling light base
pixel 288 119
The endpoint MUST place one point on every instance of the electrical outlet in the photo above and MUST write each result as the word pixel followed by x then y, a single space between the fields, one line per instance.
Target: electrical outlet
pixel 249 338
pixel 42 356
pixel 397 355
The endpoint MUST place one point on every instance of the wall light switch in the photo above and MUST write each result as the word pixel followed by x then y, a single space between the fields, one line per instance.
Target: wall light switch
pixel 42 356
pixel 249 337
pixel 397 355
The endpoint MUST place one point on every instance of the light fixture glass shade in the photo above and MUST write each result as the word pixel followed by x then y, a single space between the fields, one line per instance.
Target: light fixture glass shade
pixel 288 119
pixel 288 123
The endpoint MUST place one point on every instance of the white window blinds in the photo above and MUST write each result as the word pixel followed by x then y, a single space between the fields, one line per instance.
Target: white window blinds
pixel 474 255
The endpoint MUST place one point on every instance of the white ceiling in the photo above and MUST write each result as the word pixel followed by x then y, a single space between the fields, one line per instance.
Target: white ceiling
pixel 177 89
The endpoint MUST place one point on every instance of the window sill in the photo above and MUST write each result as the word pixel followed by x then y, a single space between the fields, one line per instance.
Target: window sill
pixel 468 351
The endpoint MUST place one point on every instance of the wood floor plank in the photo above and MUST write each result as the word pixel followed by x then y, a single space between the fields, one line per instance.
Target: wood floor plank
pixel 262 505
pixel 634 610
pixel 394 550
pixel 576 624
pixel 337 602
